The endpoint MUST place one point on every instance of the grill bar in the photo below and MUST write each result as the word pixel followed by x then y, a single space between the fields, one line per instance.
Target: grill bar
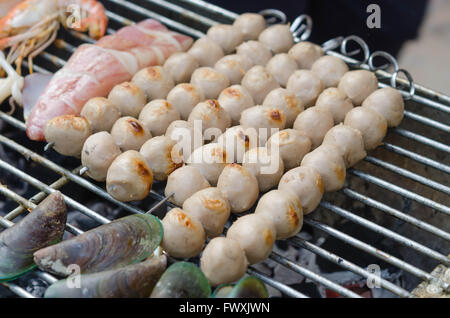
pixel 275 284
pixel 385 232
pixel 348 265
pixel 313 276
pixel 399 215
pixel 406 193
pixel 408 174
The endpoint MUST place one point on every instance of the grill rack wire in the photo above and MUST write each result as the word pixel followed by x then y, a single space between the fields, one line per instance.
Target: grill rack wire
pixel 197 16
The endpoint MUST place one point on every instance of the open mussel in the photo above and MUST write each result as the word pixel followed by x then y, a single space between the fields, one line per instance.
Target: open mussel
pixel 132 281
pixel 182 280
pixel 125 241
pixel 247 287
pixel 42 227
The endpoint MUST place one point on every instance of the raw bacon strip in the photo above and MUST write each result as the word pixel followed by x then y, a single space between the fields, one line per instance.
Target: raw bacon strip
pixel 93 70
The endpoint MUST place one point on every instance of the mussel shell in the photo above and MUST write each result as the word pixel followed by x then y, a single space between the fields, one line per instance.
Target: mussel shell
pixel 42 227
pixel 132 281
pixel 182 280
pixel 247 287
pixel 125 241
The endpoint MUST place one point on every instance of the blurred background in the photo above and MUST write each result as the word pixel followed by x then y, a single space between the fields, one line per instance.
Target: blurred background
pixel 417 32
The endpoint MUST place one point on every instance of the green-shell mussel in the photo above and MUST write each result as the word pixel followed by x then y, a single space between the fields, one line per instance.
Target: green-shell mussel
pixel 246 287
pixel 42 227
pixel 182 280
pixel 125 241
pixel 132 281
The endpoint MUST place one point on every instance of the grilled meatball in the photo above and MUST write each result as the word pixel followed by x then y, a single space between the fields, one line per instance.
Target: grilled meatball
pixel 255 51
pixel 161 156
pixel 306 86
pixel 281 66
pixel 235 99
pixel 328 162
pixel 233 67
pixel 256 234
pixel 280 98
pixel 187 136
pixel 183 183
pixel 349 142
pixel 370 123
pixel 305 54
pixel 239 186
pixel 285 211
pixel 292 146
pixel 157 116
pixel 128 98
pixel 314 123
pixel 180 66
pixel 226 35
pixel 129 178
pixel 278 38
pixel 330 70
pixel 250 24
pixel 129 133
pixel 265 165
pixel 209 81
pixel 237 140
pixel 211 208
pixel 210 160
pixel 223 261
pixel 264 119
pixel 68 134
pixel 99 151
pixel 336 102
pixel 259 83
pixel 306 183
pixel 184 236
pixel 206 52
pixel 184 97
pixel 211 114
pixel 155 81
pixel 358 85
pixel 388 102
pixel 100 113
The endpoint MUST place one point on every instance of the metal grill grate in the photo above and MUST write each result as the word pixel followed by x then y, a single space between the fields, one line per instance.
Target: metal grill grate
pixel 194 17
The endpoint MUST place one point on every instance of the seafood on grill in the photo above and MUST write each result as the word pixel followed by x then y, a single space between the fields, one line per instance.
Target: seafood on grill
pixel 93 70
pixel 239 186
pixel 128 98
pixel 305 54
pixel 358 85
pixel 211 208
pixel 246 287
pixel 336 102
pixel 282 99
pixel 292 145
pixel 314 123
pixel 67 134
pixel 129 178
pixel 182 280
pixel 388 102
pixel 110 246
pixel 101 114
pixel 184 97
pixel 306 183
pixel 184 235
pixel 98 153
pixel 206 52
pixel 278 38
pixel 131 281
pixel 329 163
pixel 155 81
pixel 130 133
pixel 210 81
pixel 180 66
pixel 157 115
pixel 223 261
pixel 42 227
pixel 184 182
pixel 285 211
pixel 31 26
pixel 211 114
pixel 259 82
pixel 306 85
pixel 226 35
pixel 235 99
pixel 250 24
pixel 256 234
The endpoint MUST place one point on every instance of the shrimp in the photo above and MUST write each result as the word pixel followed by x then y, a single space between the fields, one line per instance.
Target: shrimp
pixel 32 25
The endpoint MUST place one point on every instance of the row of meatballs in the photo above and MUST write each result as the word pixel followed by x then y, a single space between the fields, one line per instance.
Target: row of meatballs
pixel 281 86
